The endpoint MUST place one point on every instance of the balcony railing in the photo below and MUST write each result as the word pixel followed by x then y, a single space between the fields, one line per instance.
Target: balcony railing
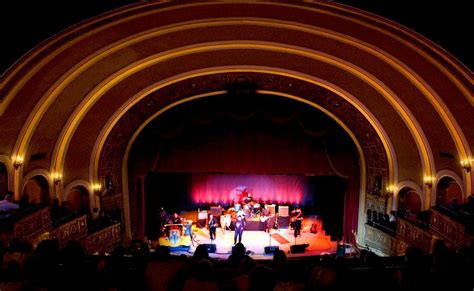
pixel 451 230
pixel 33 224
pixel 104 240
pixel 75 229
pixel 414 235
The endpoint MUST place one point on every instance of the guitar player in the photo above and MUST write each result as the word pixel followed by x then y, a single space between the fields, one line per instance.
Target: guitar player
pixel 212 225
pixel 297 217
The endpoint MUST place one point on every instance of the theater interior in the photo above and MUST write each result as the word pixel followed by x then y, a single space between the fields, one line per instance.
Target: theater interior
pixel 139 139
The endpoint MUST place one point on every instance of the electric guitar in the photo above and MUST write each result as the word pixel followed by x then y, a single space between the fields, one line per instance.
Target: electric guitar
pixel 275 224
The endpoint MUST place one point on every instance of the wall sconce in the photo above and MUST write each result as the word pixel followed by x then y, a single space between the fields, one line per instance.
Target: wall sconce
pixel 97 187
pixel 466 164
pixel 57 178
pixel 389 190
pixel 428 180
pixel 17 162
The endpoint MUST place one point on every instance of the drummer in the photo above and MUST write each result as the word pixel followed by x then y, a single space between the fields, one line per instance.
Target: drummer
pixel 247 199
pixel 175 218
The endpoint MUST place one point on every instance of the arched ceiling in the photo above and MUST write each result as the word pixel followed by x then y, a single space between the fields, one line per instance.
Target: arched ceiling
pixel 50 17
pixel 63 102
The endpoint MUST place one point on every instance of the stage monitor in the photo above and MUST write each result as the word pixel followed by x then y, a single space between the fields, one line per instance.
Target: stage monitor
pixel 271 249
pixel 211 248
pixel 298 249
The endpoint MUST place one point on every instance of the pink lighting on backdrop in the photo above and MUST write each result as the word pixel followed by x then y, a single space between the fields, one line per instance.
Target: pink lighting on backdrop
pixel 223 188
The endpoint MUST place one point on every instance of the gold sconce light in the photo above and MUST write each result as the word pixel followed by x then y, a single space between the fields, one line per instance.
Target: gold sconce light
pixel 466 164
pixel 17 162
pixel 97 187
pixel 428 180
pixel 57 177
pixel 389 190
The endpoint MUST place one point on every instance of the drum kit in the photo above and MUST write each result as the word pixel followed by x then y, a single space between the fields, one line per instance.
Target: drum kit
pixel 250 210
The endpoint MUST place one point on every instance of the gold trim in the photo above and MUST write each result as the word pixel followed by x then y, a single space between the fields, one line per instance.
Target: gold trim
pixel 43 107
pixel 106 51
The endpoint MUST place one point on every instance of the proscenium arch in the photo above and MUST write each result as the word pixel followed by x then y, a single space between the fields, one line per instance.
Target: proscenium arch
pixel 106 130
pixel 458 138
pixel 389 149
pixel 360 153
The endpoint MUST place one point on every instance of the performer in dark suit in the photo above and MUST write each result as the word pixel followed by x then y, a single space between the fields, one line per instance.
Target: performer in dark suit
pixel 296 220
pixel 239 227
pixel 212 224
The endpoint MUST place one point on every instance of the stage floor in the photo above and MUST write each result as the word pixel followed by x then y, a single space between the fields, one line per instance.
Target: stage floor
pixel 256 241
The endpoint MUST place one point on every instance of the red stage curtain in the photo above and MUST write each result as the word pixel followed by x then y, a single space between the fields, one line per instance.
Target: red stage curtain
pixel 351 210
pixel 220 188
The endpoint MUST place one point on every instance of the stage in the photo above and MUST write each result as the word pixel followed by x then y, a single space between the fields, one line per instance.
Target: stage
pixel 255 241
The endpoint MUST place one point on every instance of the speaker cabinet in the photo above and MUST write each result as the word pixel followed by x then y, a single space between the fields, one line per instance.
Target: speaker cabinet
pixel 211 248
pixel 202 214
pixel 270 208
pixel 298 249
pixel 283 211
pixel 271 249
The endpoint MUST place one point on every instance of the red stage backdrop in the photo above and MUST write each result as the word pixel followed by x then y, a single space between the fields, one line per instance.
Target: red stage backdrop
pixel 224 188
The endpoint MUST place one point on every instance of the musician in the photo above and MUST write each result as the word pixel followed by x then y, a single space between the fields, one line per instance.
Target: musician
pixel 212 224
pixel 175 219
pixel 239 227
pixel 265 217
pixel 247 199
pixel 297 219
